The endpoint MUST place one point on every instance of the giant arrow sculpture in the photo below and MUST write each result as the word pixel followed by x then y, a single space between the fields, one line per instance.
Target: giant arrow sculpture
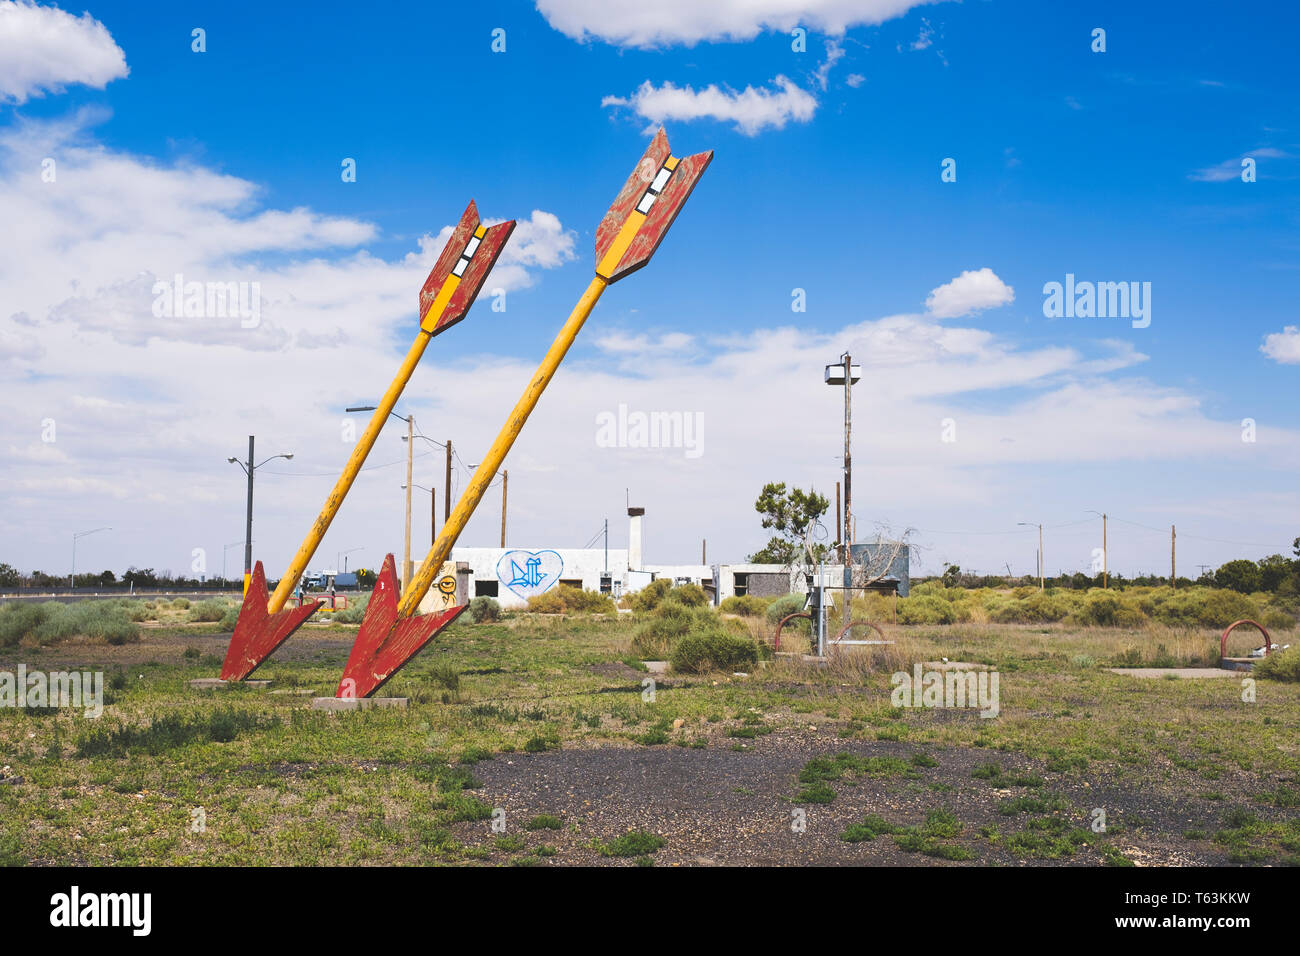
pixel 447 294
pixel 392 632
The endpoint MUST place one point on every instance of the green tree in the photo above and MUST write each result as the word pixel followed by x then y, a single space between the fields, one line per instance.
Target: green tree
pixel 790 514
pixel 1240 575
pixel 365 578
pixel 8 576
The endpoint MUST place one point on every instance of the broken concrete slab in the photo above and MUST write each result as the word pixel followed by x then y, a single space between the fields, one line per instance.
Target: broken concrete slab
pixel 212 683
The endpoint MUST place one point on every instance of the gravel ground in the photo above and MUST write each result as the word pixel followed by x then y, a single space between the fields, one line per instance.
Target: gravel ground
pixel 718 806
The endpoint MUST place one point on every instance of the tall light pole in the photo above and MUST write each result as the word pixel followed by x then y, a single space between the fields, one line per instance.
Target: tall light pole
pixel 845 373
pixel 344 556
pixel 249 468
pixel 225 549
pixel 1042 561
pixel 409 438
pixel 72 578
pixel 433 510
pixel 1105 551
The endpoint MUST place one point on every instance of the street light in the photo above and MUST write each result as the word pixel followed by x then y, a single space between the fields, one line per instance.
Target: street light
pixel 845 373
pixel 72 578
pixel 433 509
pixel 1105 558
pixel 249 468
pixel 344 556
pixel 409 438
pixel 1042 563
pixel 505 486
pixel 225 549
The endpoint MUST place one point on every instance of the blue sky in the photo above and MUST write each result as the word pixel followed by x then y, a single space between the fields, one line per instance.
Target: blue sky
pixel 1114 166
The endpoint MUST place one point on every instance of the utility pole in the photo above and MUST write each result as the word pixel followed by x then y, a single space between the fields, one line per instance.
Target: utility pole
pixel 839 528
pixel 848 451
pixel 505 483
pixel 704 551
pixel 1105 555
pixel 446 498
pixel 433 514
pixel 410 460
pixel 607 546
pixel 248 520
pixel 1173 556
pixel 1042 561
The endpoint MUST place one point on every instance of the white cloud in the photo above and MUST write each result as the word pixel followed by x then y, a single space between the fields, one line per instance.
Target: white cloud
pixel 972 291
pixel 855 80
pixel 45 49
pixel 834 53
pixel 642 346
pixel 1230 169
pixel 665 22
pixel 1283 346
pixel 752 110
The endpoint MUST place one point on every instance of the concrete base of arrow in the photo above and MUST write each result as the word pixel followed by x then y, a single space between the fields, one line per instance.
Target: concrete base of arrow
pixel 357 703
pixel 211 683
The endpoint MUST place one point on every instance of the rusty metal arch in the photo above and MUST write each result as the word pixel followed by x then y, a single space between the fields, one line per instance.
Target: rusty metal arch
pixel 835 641
pixel 1223 641
pixel 788 617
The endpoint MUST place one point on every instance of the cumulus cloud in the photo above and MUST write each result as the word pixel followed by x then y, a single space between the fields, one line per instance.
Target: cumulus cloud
pixel 1283 346
pixel 45 49
pixel 634 23
pixel 972 291
pixel 752 109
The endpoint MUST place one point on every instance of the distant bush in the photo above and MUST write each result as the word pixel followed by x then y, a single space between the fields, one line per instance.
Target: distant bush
pixel 648 598
pixel 784 606
pixel 484 608
pixel 564 599
pixel 692 595
pixel 713 650
pixel 926 609
pixel 182 603
pixel 746 605
pixel 1108 609
pixel 663 627
pixel 354 612
pixel 230 618
pixel 207 612
pixel 1280 665
pixel 1037 607
pixel 51 622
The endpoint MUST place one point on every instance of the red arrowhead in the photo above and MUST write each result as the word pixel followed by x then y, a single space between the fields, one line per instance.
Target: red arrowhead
pixel 384 643
pixel 257 633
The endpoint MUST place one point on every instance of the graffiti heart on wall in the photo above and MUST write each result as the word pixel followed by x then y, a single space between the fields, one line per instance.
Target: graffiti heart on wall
pixel 527 573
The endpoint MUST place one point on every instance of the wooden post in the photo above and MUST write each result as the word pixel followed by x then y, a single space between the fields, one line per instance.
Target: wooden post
pixel 1173 557
pixel 505 482
pixel 446 510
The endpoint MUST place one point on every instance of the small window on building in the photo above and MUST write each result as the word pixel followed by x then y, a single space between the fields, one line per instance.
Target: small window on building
pixel 485 588
pixel 741 584
pixel 572 582
pixel 606 584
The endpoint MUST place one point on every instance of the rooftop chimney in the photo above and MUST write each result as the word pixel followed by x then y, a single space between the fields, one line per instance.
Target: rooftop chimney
pixel 634 538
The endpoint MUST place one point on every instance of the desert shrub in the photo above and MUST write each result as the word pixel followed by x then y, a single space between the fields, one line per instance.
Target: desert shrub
pixel 1197 607
pixel 1276 620
pixel 648 598
pixel 784 606
pixel 1038 607
pixel 181 603
pixel 662 628
pixel 95 620
pixel 704 650
pixel 873 606
pixel 926 609
pixel 746 605
pixel 563 599
pixel 20 618
pixel 230 618
pixel 1108 609
pixel 1280 665
pixel 354 612
pixel 207 612
pixel 692 595
pixel 484 608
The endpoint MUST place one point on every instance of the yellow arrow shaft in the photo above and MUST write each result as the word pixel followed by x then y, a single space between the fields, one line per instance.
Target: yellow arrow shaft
pixel 367 442
pixel 487 470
